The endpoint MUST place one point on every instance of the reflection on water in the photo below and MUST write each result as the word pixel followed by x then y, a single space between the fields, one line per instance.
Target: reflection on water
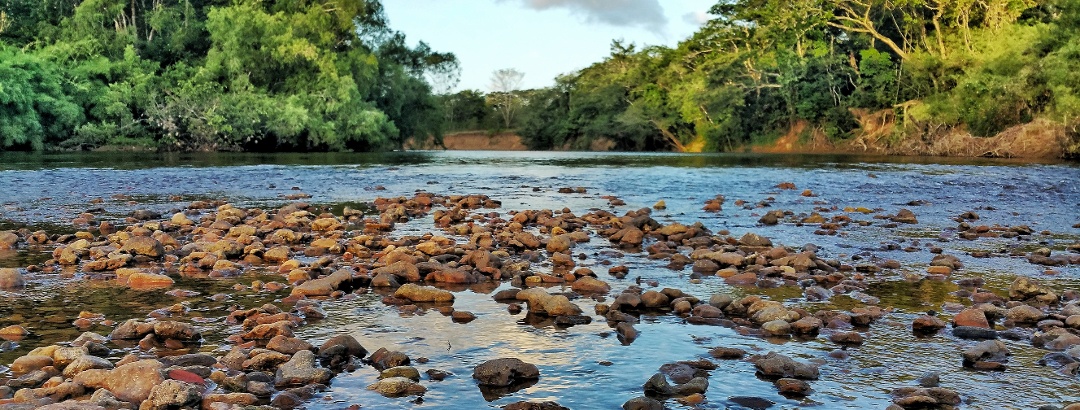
pixel 586 366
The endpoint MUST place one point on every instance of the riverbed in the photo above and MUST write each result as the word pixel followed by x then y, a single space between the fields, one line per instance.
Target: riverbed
pixel 587 366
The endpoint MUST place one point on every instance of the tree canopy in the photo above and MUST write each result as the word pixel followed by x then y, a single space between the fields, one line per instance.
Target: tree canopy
pixel 760 66
pixel 212 75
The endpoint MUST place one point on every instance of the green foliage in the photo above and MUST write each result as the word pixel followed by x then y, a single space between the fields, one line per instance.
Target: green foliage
pixel 761 66
pixel 35 107
pixel 216 75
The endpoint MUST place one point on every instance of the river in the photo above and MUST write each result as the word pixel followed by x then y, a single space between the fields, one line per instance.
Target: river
pixel 586 366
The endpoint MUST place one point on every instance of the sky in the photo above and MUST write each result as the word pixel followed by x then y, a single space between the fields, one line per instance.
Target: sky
pixel 541 38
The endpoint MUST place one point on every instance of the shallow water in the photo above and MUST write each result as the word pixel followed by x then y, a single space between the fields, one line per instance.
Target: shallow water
pixel 48 191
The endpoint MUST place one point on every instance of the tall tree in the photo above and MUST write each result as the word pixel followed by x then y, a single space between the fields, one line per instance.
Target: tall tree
pixel 504 82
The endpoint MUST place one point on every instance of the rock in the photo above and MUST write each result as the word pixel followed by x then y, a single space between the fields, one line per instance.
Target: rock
pixel 971 317
pixel 86 362
pixel 323 286
pixel 408 372
pixel 172 394
pixel 720 301
pixel 145 246
pixel 437 375
pixel 807 326
pixel 397 387
pixel 176 330
pixel 590 284
pixel 29 363
pixel 525 405
pixel 505 372
pixel 1024 288
pixel 238 399
pixel 8 240
pixel 775 365
pixel 707 311
pixel 267 331
pixel 14 332
pixel 288 345
pixel 697 385
pixel 1024 314
pixel 132 329
pixel 977 333
pixel 559 305
pixel 929 379
pixel 776 328
pixel 643 403
pixel 657 385
pixel 300 370
pixel 989 350
pixel 131 382
pixel 62 356
pixel 559 243
pixel 919 397
pixel 654 300
pixel 11 279
pixel 339 349
pixel 905 216
pixel 846 338
pixel 755 240
pixel 147 280
pixel 793 387
pixel 416 293
pixel 727 353
pixel 926 324
pixel 461 316
pixel 384 359
pixel 265 360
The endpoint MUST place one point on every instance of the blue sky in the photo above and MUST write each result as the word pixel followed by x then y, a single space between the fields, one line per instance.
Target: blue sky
pixel 541 38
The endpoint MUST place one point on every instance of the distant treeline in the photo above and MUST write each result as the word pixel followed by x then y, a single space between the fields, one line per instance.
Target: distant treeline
pixel 760 66
pixel 212 75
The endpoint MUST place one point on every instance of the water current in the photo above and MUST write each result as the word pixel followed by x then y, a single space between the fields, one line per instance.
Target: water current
pixel 586 366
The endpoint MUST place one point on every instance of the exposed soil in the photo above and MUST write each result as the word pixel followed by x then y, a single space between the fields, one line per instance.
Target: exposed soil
pixel 475 141
pixel 1039 139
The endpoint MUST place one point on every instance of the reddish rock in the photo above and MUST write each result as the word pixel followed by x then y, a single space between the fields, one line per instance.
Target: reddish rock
pixel 971 317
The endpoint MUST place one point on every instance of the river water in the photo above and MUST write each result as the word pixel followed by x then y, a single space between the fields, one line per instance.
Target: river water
pixel 586 366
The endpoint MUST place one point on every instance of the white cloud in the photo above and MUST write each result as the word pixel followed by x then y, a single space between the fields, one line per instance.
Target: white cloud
pixel 632 13
pixel 696 18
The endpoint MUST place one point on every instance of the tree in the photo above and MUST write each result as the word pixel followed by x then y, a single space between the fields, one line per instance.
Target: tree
pixel 503 84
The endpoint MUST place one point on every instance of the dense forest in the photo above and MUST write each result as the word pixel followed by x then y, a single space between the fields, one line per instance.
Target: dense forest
pixel 332 75
pixel 761 66
pixel 212 75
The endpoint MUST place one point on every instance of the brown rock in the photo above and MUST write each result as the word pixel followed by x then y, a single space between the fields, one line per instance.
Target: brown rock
pixel 590 284
pixel 143 245
pixel 418 293
pixel 971 317
pixel 147 280
pixel 130 382
pixel 927 324
pixel 11 279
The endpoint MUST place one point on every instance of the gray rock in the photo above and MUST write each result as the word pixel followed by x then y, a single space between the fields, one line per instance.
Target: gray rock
pixel 172 394
pixel 301 370
pixel 975 333
pixel 989 350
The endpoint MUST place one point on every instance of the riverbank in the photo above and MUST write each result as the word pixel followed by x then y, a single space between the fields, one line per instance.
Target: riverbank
pixel 1039 140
